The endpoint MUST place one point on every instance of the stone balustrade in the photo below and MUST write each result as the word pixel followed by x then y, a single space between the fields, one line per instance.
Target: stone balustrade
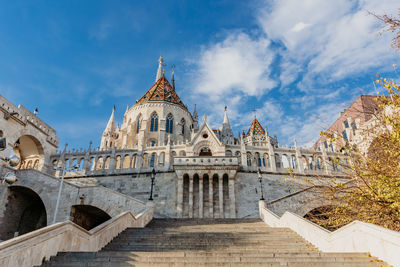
pixel 353 237
pixel 32 248
pixel 205 161
pixel 163 158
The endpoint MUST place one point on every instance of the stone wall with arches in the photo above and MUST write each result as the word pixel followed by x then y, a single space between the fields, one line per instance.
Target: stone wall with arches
pixel 27 136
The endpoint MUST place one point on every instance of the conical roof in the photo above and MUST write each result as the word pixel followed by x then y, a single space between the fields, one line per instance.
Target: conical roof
pixel 161 91
pixel 111 123
pixel 256 128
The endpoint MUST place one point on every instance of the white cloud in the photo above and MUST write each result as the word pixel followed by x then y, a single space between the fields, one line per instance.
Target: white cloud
pixel 238 64
pixel 317 44
pixel 335 38
pixel 300 26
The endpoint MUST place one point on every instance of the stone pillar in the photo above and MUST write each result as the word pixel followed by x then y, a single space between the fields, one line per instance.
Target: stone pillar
pixel 221 197
pixel 180 197
pixel 112 162
pixel 191 196
pixel 272 157
pixel 201 197
pixel 325 161
pixel 210 196
pixel 232 196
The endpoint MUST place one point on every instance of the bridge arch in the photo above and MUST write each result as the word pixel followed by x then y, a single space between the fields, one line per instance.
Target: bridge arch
pixel 88 216
pixel 23 212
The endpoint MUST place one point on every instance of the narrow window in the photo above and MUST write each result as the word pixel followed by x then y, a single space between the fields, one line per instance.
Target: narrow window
pixel 152 159
pixel 183 126
pixel 154 122
pixel 169 124
pixel 345 135
pixel 139 123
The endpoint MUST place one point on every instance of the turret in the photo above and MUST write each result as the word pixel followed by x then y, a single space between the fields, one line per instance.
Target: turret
pixel 226 134
pixel 109 134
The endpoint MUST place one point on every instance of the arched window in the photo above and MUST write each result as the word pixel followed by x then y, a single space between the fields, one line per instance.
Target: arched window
pixel 182 126
pixel 169 124
pixel 139 124
pixel 248 159
pixel 152 159
pixel 154 122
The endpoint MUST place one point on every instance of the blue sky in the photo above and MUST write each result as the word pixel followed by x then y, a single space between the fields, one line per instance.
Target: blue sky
pixel 297 63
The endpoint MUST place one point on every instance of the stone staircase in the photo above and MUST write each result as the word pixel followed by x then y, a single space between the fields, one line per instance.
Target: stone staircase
pixel 218 242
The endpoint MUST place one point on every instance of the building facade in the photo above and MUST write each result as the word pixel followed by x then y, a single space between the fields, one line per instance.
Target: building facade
pixel 200 172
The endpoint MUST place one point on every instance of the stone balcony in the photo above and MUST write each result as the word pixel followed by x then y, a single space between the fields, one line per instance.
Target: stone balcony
pixel 206 161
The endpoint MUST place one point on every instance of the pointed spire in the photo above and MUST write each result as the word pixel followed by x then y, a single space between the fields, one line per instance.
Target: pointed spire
pixel 111 123
pixel 173 77
pixel 127 108
pixel 226 120
pixel 160 68
pixel 65 148
pixel 195 116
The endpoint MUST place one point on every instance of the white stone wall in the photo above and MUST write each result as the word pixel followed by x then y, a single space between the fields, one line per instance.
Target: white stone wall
pixel 128 136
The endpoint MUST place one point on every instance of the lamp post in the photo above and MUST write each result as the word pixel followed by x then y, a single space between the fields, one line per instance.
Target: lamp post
pixel 260 180
pixel 64 170
pixel 153 176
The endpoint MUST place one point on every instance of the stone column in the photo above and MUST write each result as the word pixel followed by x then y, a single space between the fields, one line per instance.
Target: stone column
pixel 271 153
pixel 201 197
pixel 210 196
pixel 221 197
pixel 191 196
pixel 180 196
pixel 232 197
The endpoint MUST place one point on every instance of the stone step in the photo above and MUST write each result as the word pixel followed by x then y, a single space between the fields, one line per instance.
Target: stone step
pixel 200 259
pixel 214 263
pixel 208 254
pixel 227 242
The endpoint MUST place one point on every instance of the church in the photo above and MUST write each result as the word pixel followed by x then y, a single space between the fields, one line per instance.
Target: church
pixel 200 172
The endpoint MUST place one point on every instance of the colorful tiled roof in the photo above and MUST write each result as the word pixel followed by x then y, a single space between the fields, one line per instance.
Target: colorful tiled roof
pixel 255 128
pixel 161 91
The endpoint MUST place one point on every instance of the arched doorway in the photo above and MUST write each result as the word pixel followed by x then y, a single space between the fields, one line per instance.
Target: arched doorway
pixel 205 152
pixel 88 216
pixel 30 151
pixel 24 212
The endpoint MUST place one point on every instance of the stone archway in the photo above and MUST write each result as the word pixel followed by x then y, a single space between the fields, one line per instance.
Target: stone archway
pixel 205 152
pixel 29 149
pixel 23 212
pixel 88 216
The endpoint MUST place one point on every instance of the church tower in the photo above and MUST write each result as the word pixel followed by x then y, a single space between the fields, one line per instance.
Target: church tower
pixel 158 116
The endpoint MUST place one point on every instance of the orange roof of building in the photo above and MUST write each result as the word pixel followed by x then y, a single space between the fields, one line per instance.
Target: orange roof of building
pixel 255 128
pixel 161 91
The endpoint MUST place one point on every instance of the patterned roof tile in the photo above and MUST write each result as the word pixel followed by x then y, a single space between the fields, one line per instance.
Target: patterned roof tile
pixel 255 128
pixel 161 91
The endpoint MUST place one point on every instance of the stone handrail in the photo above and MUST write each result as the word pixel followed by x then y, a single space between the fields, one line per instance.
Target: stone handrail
pixel 32 248
pixel 353 237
